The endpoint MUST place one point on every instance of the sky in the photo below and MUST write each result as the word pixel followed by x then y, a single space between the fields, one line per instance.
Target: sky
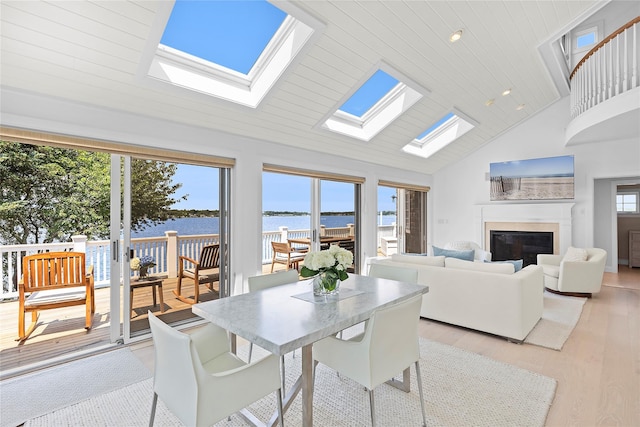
pixel 281 192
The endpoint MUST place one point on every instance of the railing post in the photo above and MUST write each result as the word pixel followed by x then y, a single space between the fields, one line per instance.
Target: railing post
pixel 172 253
pixel 352 230
pixel 323 230
pixel 79 243
pixel 284 233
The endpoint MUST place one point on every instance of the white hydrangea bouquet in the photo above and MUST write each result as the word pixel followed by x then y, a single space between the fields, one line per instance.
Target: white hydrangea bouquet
pixel 328 268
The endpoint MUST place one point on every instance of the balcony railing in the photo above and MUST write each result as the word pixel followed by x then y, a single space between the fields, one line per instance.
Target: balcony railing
pixel 608 70
pixel 165 250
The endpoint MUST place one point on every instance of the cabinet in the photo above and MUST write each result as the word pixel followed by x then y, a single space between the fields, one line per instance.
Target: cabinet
pixel 634 248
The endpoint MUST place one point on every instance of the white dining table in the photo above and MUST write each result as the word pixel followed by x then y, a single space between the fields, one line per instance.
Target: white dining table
pixel 284 318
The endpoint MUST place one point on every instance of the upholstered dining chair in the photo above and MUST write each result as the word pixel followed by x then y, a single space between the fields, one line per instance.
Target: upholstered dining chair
pixel 388 345
pixel 205 270
pixel 200 381
pixel 283 253
pixel 265 281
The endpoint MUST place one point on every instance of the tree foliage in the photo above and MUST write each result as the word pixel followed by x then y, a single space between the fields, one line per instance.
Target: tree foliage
pixel 49 193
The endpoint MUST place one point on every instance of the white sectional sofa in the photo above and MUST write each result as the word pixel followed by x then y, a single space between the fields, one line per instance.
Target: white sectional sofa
pixel 488 297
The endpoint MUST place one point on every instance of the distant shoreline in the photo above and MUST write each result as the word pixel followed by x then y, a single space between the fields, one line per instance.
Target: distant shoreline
pixel 204 213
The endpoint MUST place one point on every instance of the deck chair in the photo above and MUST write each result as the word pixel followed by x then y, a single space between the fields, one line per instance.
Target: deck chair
pixel 54 280
pixel 205 270
pixel 284 254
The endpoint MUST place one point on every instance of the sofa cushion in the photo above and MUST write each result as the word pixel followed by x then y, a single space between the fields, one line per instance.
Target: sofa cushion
pixel 435 261
pixel 551 270
pixel 466 255
pixel 500 268
pixel 575 254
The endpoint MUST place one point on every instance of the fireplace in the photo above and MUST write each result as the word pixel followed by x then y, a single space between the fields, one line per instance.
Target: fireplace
pixel 554 218
pixel 524 245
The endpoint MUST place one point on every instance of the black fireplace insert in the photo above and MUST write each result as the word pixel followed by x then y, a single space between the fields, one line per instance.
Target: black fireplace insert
pixel 524 245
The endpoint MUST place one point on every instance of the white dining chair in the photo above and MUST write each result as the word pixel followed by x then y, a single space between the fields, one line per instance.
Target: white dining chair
pixel 200 381
pixel 388 345
pixel 392 272
pixel 265 281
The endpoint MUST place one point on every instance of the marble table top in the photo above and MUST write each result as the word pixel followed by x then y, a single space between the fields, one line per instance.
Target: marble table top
pixel 279 320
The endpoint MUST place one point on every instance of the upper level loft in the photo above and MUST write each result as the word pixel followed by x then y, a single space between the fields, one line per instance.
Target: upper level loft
pixel 595 62
pixel 605 89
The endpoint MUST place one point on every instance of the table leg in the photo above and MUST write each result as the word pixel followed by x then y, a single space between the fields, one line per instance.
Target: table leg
pixel 153 292
pixel 307 386
pixel 161 298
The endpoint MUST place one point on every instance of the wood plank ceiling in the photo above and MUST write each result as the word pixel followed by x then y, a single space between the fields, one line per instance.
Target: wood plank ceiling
pixel 89 52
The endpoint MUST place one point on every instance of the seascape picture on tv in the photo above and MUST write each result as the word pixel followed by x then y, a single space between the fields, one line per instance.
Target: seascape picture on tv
pixel 533 179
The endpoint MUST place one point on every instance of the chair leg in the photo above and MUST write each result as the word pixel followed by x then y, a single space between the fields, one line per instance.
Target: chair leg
pixel 153 409
pixel 373 409
pixel 419 378
pixel 250 351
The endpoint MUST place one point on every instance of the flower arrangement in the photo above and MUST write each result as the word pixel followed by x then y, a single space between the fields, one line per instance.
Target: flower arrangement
pixel 328 266
pixel 142 264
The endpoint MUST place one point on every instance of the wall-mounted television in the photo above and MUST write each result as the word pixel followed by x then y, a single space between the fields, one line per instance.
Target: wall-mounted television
pixel 532 179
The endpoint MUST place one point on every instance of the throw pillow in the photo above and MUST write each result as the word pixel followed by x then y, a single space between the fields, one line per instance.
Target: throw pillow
pixel 517 263
pixel 463 255
pixel 575 254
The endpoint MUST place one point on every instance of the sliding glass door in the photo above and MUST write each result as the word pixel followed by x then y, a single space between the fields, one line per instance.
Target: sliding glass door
pixel 164 215
pixel 308 211
pixel 402 219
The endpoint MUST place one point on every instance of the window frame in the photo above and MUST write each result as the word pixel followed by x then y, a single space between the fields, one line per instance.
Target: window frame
pixel 637 202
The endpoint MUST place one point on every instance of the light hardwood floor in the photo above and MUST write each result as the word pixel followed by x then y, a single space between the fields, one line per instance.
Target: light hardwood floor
pixel 598 369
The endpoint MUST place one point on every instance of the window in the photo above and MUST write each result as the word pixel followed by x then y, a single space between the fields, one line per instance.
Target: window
pixel 437 136
pixel 585 39
pixel 235 51
pixel 381 99
pixel 627 203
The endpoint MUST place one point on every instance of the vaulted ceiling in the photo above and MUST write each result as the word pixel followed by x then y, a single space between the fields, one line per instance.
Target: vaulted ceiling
pixel 90 52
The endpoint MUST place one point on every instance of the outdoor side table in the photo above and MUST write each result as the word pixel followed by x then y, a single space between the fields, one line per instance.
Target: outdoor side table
pixel 142 283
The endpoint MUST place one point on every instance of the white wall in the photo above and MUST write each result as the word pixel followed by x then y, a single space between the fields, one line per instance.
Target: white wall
pixel 457 188
pixel 35 112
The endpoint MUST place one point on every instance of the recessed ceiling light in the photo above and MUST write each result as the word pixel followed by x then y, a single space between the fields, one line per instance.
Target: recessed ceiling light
pixel 506 92
pixel 490 102
pixel 520 107
pixel 455 36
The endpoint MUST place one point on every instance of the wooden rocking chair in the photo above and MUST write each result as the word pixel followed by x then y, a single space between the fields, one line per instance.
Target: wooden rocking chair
pixel 205 270
pixel 54 280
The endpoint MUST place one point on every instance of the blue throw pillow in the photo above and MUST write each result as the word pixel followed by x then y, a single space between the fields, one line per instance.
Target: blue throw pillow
pixel 517 264
pixel 463 255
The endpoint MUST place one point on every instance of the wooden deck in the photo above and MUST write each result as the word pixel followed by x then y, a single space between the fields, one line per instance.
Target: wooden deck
pixel 61 332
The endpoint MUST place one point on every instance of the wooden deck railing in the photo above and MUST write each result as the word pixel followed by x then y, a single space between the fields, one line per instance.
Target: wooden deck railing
pixel 607 70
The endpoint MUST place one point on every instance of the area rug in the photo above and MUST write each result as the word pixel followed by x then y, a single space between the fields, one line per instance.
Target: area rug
pixel 461 389
pixel 45 391
pixel 559 317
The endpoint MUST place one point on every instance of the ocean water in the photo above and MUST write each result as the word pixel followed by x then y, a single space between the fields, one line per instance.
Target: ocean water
pixel 190 226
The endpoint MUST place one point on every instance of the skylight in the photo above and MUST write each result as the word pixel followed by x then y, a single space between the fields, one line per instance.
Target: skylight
pixel 373 105
pixel 369 94
pixel 233 50
pixel 439 135
pixel 228 33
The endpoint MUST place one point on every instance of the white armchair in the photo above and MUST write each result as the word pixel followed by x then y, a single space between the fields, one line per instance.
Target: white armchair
pixel 200 381
pixel 388 346
pixel 461 245
pixel 390 272
pixel 577 273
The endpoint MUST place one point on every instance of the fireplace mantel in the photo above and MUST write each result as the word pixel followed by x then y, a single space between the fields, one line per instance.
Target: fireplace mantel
pixel 548 213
